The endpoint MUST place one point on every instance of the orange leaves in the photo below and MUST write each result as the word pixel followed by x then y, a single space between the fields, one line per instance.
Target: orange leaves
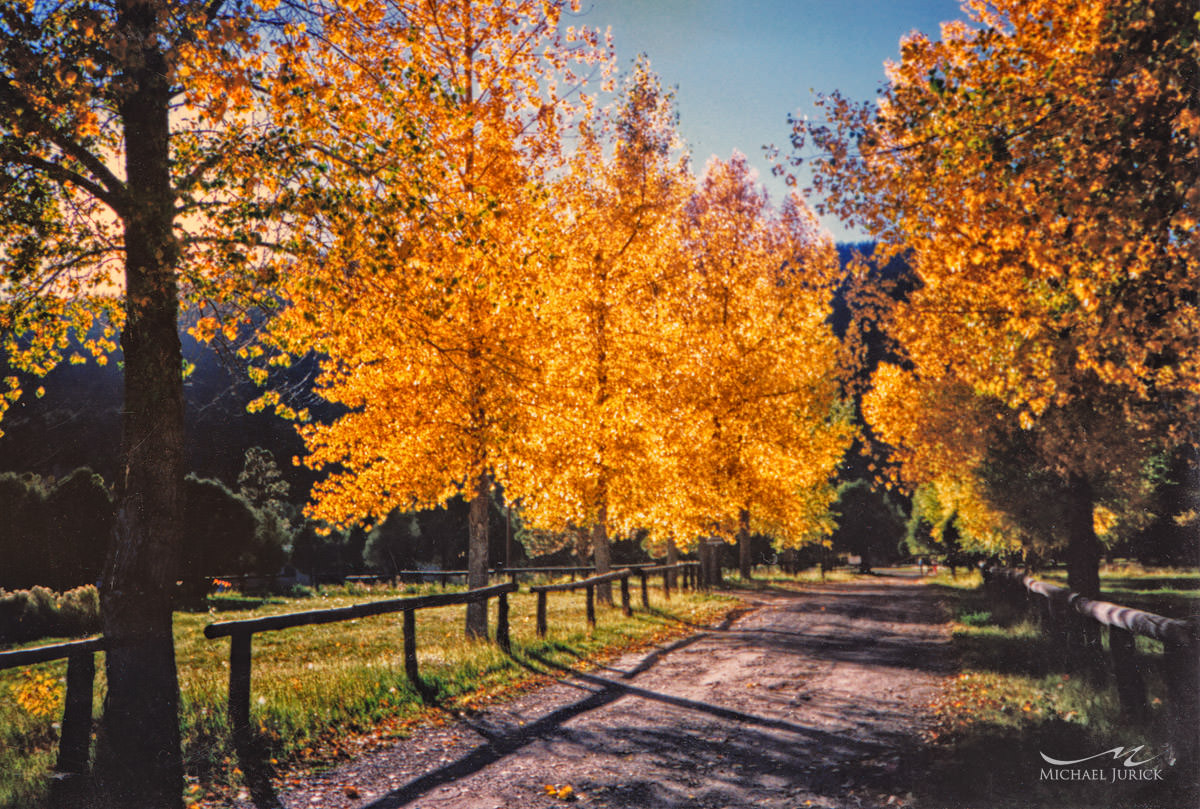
pixel 432 236
pixel 757 425
pixel 1034 165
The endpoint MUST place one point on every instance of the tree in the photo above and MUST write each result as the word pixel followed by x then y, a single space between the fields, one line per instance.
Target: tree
pixel 760 426
pixel 868 523
pixel 79 522
pixel 24 527
pixel 591 458
pixel 260 482
pixel 1039 164
pixel 224 534
pixel 136 177
pixel 419 288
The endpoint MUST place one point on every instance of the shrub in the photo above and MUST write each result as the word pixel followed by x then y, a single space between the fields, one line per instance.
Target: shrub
pixel 54 533
pixel 39 612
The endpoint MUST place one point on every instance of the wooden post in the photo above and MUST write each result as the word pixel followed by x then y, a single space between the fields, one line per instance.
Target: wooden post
pixel 239 687
pixel 625 605
pixel 502 623
pixel 645 590
pixel 77 714
pixel 666 584
pixel 541 614
pixel 591 605
pixel 410 646
pixel 1131 688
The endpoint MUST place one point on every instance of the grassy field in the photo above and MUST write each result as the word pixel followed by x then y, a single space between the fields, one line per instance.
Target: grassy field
pixel 320 693
pixel 1013 699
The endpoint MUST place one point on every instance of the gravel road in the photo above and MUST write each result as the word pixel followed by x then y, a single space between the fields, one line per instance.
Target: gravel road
pixel 809 697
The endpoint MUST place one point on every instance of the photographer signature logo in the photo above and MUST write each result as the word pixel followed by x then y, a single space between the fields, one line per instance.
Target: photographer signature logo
pixel 1134 766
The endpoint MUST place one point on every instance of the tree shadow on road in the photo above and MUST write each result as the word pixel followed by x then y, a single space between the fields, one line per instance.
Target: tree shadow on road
pixel 767 752
pixel 872 750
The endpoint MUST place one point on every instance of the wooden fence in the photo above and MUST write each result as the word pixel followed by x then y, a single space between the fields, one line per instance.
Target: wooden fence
pixel 76 734
pixel 1068 616
pixel 688 569
pixel 240 633
pixel 512 573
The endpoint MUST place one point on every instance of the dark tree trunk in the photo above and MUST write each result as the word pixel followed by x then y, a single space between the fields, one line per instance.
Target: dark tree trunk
pixel 1083 548
pixel 672 559
pixel 745 563
pixel 602 555
pixel 477 557
pixel 1083 575
pixel 139 761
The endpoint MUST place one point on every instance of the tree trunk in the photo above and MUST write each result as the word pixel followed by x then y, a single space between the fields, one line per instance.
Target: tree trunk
pixel 672 559
pixel 1083 548
pixel 602 555
pixel 1083 575
pixel 745 564
pixel 139 761
pixel 477 557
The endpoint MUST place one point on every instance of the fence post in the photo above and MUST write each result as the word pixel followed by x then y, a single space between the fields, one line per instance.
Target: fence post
pixel 541 613
pixel 239 687
pixel 666 584
pixel 77 714
pixel 410 646
pixel 1131 688
pixel 625 606
pixel 502 623
pixel 591 605
pixel 645 590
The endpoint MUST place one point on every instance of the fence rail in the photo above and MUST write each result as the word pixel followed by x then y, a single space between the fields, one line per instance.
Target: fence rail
pixel 513 573
pixel 76 734
pixel 240 633
pixel 589 585
pixel 1065 615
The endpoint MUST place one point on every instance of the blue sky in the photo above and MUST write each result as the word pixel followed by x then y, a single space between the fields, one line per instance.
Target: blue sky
pixel 741 66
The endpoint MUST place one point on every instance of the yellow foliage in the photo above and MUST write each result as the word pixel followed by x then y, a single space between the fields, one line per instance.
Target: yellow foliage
pixel 39 693
pixel 1036 167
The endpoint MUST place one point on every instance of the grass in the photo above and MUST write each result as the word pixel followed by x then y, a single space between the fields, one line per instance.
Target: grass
pixel 1173 592
pixel 1014 698
pixel 321 693
pixel 767 577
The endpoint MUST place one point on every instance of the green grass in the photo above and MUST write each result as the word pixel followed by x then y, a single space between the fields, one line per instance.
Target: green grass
pixel 320 693
pixel 1013 698
pixel 1173 592
pixel 766 577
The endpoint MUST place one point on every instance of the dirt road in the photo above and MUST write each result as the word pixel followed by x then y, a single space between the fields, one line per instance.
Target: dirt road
pixel 814 695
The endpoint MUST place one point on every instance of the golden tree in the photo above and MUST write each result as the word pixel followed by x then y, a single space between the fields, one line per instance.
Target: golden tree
pixel 591 456
pixel 1041 164
pixel 759 429
pixel 420 289
pixel 127 190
